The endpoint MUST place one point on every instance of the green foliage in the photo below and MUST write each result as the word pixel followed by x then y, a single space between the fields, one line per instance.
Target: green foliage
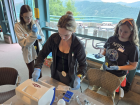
pixel 56 7
pixel 70 7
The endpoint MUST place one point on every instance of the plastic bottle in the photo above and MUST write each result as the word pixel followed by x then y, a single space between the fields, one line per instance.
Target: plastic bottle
pixel 78 101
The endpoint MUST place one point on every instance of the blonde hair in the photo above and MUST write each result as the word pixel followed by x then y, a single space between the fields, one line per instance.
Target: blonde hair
pixel 134 31
pixel 67 21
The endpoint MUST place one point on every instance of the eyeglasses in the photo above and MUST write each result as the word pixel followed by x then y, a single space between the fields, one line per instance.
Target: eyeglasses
pixel 26 18
pixel 127 20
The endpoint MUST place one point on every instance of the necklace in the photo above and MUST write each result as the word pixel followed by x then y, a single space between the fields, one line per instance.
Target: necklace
pixel 63 72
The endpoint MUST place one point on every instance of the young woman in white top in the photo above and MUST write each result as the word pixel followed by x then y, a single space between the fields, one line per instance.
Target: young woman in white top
pixel 30 37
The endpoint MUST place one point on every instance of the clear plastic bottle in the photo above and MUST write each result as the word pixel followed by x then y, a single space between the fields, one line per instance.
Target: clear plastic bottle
pixel 79 28
pixel 78 101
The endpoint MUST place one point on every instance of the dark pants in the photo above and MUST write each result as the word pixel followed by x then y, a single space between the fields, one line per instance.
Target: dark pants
pixel 31 69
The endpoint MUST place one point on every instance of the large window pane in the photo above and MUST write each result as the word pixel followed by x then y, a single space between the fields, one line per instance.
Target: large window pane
pixel 18 4
pixel 100 18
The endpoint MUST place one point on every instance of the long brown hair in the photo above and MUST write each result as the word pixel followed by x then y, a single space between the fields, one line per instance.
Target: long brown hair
pixel 24 9
pixel 132 26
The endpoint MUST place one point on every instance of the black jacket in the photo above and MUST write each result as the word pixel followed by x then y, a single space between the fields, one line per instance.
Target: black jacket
pixel 76 54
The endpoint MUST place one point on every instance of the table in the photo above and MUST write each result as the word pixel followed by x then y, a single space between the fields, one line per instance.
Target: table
pixel 107 27
pixel 16 101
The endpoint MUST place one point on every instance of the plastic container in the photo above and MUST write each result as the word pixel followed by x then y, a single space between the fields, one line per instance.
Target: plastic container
pixel 67 97
pixel 61 102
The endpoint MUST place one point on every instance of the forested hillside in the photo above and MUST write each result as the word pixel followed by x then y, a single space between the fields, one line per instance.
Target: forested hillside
pixel 134 4
pixel 87 8
pixel 103 9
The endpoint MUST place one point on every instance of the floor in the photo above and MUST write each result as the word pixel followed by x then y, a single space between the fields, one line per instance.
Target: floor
pixel 11 56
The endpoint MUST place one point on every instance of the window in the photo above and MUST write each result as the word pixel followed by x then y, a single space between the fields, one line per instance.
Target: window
pixel 95 16
pixel 18 4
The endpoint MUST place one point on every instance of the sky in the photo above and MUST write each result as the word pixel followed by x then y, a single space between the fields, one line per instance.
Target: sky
pixel 18 1
pixel 127 1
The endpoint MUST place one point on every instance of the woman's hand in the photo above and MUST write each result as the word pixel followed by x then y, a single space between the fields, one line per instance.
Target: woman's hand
pixel 36 74
pixel 76 83
pixel 34 28
pixel 39 36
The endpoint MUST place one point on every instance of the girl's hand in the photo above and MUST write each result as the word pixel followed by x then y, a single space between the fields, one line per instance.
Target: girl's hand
pixel 39 36
pixel 112 68
pixel 34 28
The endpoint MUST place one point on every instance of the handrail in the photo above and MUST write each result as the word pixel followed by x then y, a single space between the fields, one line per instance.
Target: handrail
pixel 89 17
pixel 77 34
pixel 97 19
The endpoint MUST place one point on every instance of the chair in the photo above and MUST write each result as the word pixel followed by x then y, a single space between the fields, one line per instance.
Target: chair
pixel 105 80
pixel 8 76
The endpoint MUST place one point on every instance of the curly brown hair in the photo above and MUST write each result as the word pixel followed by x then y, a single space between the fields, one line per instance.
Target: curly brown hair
pixel 132 26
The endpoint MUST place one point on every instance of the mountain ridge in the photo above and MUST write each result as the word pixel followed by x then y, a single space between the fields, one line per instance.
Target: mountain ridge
pixel 106 9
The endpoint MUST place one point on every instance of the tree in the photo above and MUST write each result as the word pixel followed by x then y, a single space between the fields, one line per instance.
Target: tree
pixel 57 8
pixel 70 7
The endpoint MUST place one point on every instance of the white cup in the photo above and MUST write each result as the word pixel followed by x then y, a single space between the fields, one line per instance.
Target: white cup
pixel 61 102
